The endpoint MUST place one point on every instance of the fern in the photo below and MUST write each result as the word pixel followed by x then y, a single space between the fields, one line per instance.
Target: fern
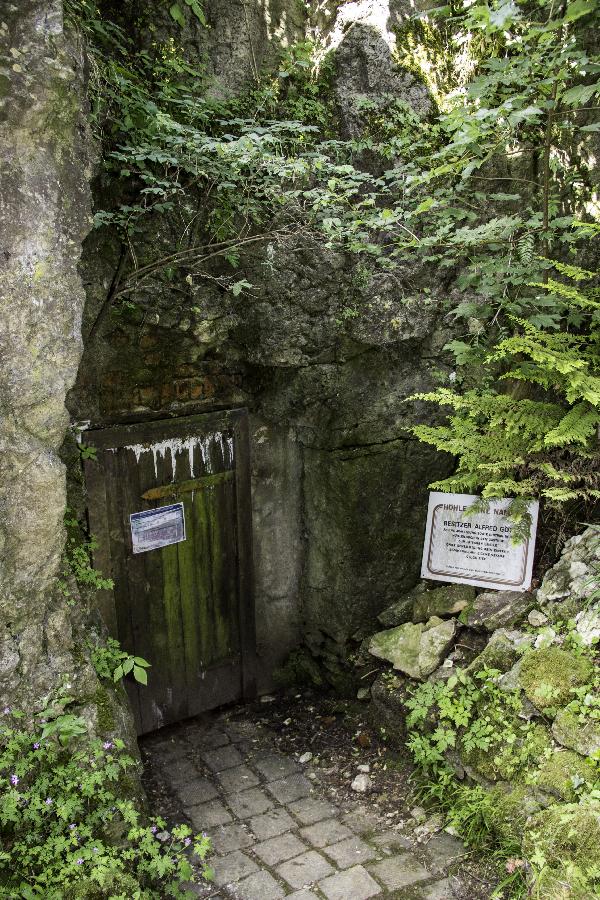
pixel 535 431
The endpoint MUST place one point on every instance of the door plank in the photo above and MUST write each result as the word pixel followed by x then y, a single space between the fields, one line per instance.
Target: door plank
pixel 186 607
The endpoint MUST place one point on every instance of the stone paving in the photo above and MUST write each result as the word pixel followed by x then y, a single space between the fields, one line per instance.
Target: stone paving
pixel 274 832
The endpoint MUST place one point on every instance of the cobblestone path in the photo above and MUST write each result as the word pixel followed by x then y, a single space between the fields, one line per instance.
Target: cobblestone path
pixel 274 832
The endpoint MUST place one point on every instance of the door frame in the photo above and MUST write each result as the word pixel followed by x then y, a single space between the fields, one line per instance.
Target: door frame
pixel 98 520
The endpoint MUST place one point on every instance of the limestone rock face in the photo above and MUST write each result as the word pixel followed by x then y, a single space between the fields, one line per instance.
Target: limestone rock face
pixel 45 147
pixel 584 739
pixel 365 67
pixel 575 574
pixel 44 216
pixel 498 609
pixel 416 649
pixel 588 624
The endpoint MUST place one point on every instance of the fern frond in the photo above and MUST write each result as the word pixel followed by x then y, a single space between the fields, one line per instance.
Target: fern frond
pixel 576 427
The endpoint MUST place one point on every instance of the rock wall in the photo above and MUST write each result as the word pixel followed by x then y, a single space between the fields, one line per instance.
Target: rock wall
pixel 509 701
pixel 45 149
pixel 322 355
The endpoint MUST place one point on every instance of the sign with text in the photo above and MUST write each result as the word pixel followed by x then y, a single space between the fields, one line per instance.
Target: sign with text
pixel 154 528
pixel 477 548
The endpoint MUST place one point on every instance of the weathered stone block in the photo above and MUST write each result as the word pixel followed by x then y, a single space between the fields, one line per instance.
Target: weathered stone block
pixel 278 849
pixel 249 803
pixel 584 739
pixel 399 871
pixel 326 832
pixel 443 601
pixel 350 852
pixel 305 869
pixel 497 609
pixel 355 883
pixel 415 649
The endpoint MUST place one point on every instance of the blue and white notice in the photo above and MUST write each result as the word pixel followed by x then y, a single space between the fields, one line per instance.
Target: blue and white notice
pixel 155 528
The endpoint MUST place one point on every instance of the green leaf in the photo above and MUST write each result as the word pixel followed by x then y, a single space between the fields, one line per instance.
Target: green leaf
pixel 141 662
pixel 118 673
pixel 128 665
pixel 579 95
pixel 196 8
pixel 177 14
pixel 578 8
pixel 140 675
pixel 239 286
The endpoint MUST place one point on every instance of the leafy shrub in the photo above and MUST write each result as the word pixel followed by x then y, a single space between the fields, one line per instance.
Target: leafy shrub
pixel 67 828
pixel 112 662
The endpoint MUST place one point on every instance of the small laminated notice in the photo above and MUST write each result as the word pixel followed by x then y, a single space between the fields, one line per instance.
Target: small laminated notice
pixel 476 548
pixel 155 528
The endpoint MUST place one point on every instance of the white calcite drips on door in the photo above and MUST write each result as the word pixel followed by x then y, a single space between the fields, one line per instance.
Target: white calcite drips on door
pixel 193 445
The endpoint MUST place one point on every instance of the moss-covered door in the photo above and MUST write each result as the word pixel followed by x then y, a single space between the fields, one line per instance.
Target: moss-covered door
pixel 185 606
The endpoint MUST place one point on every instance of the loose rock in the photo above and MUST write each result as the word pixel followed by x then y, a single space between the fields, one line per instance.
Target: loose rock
pixel 498 609
pixel 574 574
pixel 444 601
pixel 415 649
pixel 583 738
pixel 362 784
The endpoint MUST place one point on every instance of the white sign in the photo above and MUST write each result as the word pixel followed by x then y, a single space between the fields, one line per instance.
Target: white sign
pixel 156 528
pixel 476 549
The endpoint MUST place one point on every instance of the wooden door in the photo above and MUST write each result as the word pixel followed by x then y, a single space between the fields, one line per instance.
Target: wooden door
pixel 187 607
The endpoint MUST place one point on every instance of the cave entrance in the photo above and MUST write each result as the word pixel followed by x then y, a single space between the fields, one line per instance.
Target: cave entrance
pixel 169 505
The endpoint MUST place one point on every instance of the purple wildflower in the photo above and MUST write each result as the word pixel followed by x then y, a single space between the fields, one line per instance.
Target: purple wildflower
pixel 36 746
pixel 72 826
pixel 80 861
pixel 187 841
pixel 108 745
pixel 154 829
pixel 48 801
pixel 94 850
pixel 14 779
pixel 6 710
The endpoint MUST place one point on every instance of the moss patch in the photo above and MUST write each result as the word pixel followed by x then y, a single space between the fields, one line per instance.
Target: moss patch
pixel 104 704
pixel 568 835
pixel 562 771
pixel 548 676
pixel 511 809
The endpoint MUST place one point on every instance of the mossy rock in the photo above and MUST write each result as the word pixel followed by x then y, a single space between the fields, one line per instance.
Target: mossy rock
pixel 549 676
pixel 104 701
pixel 562 771
pixel 568 836
pixel 501 652
pixel 498 762
pixel 443 601
pixel 583 737
pixel 510 808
